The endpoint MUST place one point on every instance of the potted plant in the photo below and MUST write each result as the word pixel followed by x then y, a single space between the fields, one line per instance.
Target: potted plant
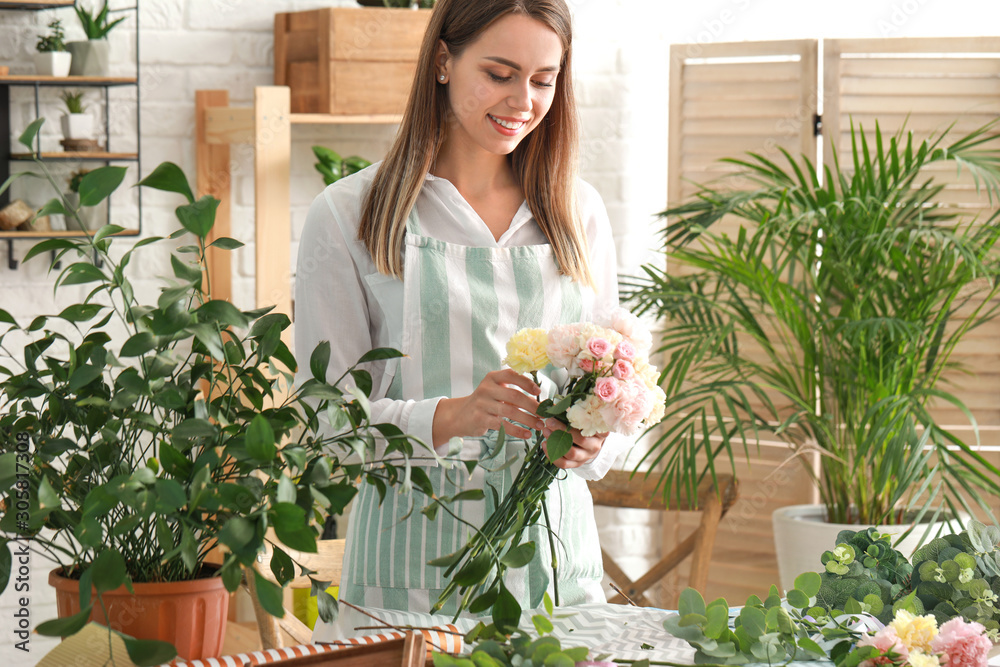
pixel 333 167
pixel 91 58
pixel 52 59
pixel 828 321
pixel 150 439
pixel 75 123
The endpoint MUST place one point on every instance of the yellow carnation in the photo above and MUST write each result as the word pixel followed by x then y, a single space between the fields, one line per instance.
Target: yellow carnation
pixel 916 632
pixel 921 659
pixel 526 350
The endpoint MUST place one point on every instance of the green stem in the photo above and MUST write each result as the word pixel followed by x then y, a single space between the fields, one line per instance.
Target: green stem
pixel 552 548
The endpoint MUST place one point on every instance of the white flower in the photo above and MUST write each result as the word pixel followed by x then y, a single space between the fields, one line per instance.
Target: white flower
pixel 629 326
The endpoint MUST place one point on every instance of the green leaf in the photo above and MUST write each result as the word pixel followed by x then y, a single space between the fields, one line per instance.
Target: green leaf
pixel 98 184
pixel 717 620
pixel 260 439
pixel 198 217
pixel 752 621
pixel 282 566
pixel 797 599
pixel 195 428
pixel 64 627
pixel 222 311
pixel 547 603
pixel 542 625
pixel 506 611
pixel 149 652
pixel 808 583
pixel 232 575
pixel 380 354
pixel 6 563
pixel 51 207
pixel 327 607
pixel 474 571
pixel 138 344
pixel 319 360
pixel 27 138
pixel 225 243
pixel 237 533
pixel 81 273
pixel 269 595
pixel 83 376
pixel 558 444
pixel 109 571
pixel 106 231
pixel 81 312
pixel 519 556
pixel 691 602
pixel 48 245
pixel 291 528
pixel 186 271
pixel 169 178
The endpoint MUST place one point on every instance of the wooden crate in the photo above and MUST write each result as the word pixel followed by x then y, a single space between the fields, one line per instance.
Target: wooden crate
pixel 348 60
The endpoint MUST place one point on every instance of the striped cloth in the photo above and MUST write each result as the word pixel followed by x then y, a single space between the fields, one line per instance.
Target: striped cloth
pixel 445 638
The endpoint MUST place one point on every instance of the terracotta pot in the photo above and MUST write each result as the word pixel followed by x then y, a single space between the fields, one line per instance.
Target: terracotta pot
pixel 191 615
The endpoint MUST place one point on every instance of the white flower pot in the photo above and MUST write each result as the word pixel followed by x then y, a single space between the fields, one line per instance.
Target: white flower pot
pixel 801 536
pixel 90 58
pixel 77 126
pixel 53 63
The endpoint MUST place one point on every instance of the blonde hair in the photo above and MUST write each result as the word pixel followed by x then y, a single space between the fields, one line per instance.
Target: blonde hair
pixel 544 163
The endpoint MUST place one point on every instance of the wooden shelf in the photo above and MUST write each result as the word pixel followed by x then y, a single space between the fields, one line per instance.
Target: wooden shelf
pixel 330 119
pixel 73 155
pixel 15 234
pixel 34 4
pixel 32 79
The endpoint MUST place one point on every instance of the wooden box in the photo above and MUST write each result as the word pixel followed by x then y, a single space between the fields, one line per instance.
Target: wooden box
pixel 348 60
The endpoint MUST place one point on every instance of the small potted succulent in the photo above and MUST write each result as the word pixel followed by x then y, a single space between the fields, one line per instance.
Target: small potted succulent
pixel 91 58
pixel 52 59
pixel 333 167
pixel 76 124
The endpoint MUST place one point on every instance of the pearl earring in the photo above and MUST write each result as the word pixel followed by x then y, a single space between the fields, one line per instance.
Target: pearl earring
pixel 441 78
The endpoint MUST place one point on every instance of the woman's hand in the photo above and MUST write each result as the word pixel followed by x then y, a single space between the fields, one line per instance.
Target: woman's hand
pixel 497 401
pixel 584 449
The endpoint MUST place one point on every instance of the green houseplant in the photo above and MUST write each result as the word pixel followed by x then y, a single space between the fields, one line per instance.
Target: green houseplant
pixel 52 58
pixel 145 436
pixel 76 124
pixel 90 58
pixel 333 167
pixel 828 321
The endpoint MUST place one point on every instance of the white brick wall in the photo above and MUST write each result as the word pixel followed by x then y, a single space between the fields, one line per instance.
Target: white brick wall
pixel 621 70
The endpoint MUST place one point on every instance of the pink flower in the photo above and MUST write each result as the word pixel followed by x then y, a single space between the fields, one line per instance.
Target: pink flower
pixel 562 345
pixel 885 640
pixel 626 413
pixel 606 389
pixel 586 365
pixel 629 326
pixel 963 642
pixel 598 347
pixel 625 351
pixel 623 370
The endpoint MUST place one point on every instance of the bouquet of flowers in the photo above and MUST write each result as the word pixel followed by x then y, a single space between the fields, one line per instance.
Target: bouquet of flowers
pixel 612 389
pixel 916 641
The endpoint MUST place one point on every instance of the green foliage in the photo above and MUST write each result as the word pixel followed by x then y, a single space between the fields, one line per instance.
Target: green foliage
pixel 73 99
pixel 827 319
pixel 768 631
pixel 153 432
pixel 54 41
pixel 96 26
pixel 863 573
pixel 959 575
pixel 496 647
pixel 333 167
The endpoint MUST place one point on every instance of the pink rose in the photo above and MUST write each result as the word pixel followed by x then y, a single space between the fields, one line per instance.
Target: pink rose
pixel 586 365
pixel 623 370
pixel 606 389
pixel 598 347
pixel 963 642
pixel 625 351
pixel 626 413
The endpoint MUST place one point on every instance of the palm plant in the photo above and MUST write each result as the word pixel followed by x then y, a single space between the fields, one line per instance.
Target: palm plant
pixel 829 321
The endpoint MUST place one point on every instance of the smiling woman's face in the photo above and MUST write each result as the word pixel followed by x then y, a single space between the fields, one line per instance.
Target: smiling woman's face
pixel 502 84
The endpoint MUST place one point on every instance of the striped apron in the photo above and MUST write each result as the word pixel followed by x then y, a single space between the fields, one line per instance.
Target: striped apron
pixel 461 305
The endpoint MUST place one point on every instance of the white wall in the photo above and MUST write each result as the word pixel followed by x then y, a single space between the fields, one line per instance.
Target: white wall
pixel 621 67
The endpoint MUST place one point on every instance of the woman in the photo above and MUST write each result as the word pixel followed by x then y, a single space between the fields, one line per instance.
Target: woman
pixel 473 227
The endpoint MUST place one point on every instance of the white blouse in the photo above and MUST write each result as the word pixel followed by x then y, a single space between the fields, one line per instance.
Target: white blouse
pixel 340 297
